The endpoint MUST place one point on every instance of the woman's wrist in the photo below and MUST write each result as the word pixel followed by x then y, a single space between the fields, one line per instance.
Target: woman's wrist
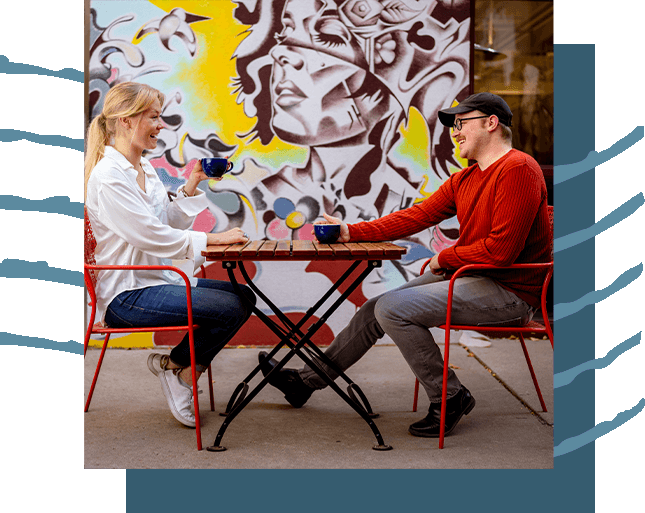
pixel 190 187
pixel 212 239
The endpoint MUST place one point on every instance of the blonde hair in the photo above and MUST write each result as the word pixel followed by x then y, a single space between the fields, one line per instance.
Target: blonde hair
pixel 124 100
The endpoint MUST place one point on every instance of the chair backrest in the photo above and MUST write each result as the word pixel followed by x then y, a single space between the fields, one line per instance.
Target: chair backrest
pixel 90 248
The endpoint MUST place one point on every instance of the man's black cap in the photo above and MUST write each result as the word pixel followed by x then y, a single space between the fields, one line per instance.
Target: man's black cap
pixel 487 103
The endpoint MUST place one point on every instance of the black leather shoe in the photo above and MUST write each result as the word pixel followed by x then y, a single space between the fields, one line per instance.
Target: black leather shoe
pixel 288 381
pixel 456 407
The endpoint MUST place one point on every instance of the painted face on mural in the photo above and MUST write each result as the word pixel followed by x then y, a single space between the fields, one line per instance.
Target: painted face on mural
pixel 315 78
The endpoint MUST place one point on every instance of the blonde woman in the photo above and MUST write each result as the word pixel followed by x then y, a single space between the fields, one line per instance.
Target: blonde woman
pixel 135 223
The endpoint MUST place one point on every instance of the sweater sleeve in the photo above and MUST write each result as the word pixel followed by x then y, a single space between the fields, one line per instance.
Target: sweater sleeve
pixel 406 222
pixel 518 195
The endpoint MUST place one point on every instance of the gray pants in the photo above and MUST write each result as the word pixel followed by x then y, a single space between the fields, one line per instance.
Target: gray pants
pixel 407 312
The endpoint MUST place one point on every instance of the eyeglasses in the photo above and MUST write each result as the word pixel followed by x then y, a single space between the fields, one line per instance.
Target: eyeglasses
pixel 457 125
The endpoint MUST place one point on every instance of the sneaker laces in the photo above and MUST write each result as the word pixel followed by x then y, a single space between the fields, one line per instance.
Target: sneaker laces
pixel 199 390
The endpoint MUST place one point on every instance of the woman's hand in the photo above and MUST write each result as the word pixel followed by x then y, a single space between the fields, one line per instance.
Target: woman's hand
pixel 344 230
pixel 198 172
pixel 230 237
pixel 197 175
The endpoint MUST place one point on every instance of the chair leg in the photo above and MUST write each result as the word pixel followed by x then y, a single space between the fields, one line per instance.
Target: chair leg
pixel 416 395
pixel 210 387
pixel 198 430
pixel 528 361
pixel 444 387
pixel 88 334
pixel 96 373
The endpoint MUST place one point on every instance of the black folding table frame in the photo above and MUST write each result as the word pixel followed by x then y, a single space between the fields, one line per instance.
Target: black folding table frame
pixel 300 343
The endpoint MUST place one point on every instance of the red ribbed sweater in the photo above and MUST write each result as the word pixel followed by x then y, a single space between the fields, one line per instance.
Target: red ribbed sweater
pixel 503 219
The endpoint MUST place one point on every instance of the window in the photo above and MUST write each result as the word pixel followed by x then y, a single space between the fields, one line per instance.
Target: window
pixel 513 58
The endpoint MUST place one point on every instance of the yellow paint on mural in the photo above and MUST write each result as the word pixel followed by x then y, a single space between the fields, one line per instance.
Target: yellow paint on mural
pixel 416 137
pixel 210 98
pixel 134 340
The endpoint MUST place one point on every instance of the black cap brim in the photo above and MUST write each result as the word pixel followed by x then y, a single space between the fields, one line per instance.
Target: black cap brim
pixel 447 116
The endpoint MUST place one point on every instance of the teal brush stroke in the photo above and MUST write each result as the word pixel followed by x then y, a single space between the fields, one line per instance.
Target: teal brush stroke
pixel 562 310
pixel 564 378
pixel 615 217
pixel 563 173
pixel 17 68
pixel 10 135
pixel 10 268
pixel 54 205
pixel 575 442
pixel 9 339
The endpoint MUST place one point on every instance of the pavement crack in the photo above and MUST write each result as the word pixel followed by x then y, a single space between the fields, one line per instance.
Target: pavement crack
pixel 541 419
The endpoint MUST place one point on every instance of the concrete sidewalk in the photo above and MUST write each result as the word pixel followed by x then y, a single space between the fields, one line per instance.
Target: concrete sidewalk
pixel 129 424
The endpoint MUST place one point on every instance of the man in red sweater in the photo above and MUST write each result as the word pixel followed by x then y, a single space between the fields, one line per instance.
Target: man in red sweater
pixel 501 205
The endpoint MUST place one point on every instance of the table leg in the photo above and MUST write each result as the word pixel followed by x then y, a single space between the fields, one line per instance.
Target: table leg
pixel 313 350
pixel 238 404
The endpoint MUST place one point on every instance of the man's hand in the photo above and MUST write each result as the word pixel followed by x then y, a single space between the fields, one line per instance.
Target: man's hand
pixel 344 231
pixel 434 265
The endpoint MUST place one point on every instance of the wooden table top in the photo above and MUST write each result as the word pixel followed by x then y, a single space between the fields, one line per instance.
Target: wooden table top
pixel 304 250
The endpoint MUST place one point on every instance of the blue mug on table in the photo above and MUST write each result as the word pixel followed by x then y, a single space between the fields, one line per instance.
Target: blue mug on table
pixel 327 233
pixel 216 167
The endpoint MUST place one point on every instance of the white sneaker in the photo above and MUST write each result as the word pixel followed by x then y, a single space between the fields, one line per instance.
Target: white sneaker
pixel 179 396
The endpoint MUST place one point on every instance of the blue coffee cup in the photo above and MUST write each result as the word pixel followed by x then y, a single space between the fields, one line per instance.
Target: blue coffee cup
pixel 216 167
pixel 327 233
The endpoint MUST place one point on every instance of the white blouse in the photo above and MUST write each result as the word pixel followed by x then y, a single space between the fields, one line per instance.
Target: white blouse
pixel 133 227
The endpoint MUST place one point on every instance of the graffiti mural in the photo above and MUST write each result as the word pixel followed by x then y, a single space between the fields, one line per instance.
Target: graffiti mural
pixel 324 106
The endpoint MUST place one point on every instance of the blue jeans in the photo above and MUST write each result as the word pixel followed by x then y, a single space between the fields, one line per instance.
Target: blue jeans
pixel 407 312
pixel 218 310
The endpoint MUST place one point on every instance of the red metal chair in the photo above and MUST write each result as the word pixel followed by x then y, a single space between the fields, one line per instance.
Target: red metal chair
pixel 91 272
pixel 532 327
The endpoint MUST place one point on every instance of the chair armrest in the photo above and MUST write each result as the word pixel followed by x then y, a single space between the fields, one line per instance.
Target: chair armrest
pixel 474 267
pixel 90 287
pixel 466 269
pixel 140 268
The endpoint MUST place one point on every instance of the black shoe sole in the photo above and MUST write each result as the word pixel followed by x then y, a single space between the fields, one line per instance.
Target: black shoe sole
pixel 298 399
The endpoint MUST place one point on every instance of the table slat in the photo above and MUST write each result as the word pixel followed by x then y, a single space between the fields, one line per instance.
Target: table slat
pixel 372 248
pixel 252 248
pixel 283 248
pixel 303 248
pixel 340 249
pixel 216 250
pixel 392 249
pixel 268 248
pixel 322 250
pixel 234 249
pixel 356 248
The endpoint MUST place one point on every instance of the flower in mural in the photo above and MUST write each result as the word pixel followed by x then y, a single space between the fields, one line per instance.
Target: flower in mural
pixel 289 221
pixel 385 48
